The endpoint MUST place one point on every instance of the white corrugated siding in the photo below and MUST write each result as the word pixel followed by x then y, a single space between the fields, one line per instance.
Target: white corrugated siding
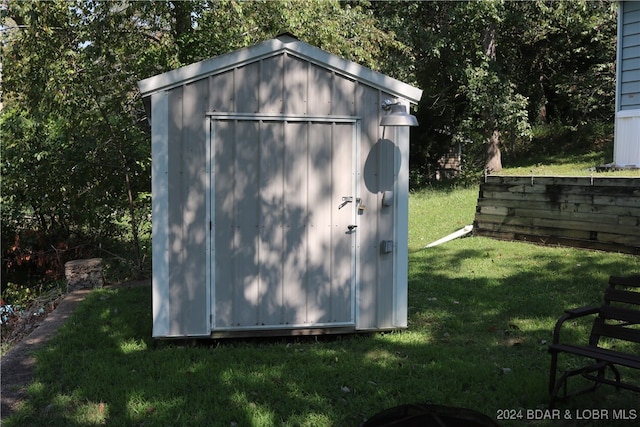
pixel 283 253
pixel 627 144
pixel 267 187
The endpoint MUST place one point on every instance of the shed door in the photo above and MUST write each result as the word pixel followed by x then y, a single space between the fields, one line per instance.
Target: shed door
pixel 283 238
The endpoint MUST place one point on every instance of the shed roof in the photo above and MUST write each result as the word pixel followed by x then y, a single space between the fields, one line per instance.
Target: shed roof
pixel 283 43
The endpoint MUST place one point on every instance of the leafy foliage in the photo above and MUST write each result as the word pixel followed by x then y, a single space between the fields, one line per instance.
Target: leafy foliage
pixel 554 66
pixel 75 153
pixel 76 156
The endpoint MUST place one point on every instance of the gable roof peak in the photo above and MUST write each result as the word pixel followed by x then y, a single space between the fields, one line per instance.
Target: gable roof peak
pixel 285 42
pixel 287 36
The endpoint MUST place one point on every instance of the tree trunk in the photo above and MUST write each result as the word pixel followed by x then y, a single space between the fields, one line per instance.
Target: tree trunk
pixel 182 26
pixel 494 157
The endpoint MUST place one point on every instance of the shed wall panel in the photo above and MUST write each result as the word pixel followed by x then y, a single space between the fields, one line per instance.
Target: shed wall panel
pixel 271 85
pixel 271 250
pixel 343 96
pixel 296 76
pixel 389 169
pixel 246 86
pixel 369 250
pixel 187 183
pixel 246 192
pixel 222 92
pixel 223 226
pixel 342 174
pixel 320 86
pixel 401 228
pixel 320 194
pixel 387 159
pixel 193 306
pixel 175 207
pixel 160 207
pixel 296 221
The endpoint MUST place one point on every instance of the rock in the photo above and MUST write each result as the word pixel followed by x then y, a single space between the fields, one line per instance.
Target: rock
pixel 84 274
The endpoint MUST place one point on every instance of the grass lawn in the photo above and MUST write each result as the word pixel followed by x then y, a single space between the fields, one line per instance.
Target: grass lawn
pixel 583 164
pixel 480 314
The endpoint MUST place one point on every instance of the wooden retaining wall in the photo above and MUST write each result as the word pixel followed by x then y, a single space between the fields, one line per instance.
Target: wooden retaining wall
pixel 588 212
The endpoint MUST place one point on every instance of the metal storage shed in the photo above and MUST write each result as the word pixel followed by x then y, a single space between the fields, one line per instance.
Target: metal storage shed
pixel 278 207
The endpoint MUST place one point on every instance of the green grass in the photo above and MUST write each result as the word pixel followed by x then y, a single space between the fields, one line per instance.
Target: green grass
pixel 568 165
pixel 480 312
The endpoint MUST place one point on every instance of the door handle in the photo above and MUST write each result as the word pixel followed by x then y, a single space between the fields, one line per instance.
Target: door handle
pixel 352 227
pixel 345 200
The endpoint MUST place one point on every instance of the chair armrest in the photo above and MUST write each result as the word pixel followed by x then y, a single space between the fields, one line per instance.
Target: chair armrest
pixel 573 313
pixel 582 311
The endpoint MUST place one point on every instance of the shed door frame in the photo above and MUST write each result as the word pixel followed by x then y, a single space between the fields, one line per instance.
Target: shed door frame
pixel 211 118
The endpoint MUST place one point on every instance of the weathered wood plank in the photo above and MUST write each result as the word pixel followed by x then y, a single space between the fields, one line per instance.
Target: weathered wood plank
pixel 543 233
pixel 598 213
pixel 482 227
pixel 582 206
pixel 564 241
pixel 631 201
pixel 554 190
pixel 558 223
pixel 611 181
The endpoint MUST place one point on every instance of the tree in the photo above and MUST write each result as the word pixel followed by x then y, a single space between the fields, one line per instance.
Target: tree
pixel 562 54
pixel 347 30
pixel 492 70
pixel 74 153
pixel 468 98
pixel 493 108
pixel 76 157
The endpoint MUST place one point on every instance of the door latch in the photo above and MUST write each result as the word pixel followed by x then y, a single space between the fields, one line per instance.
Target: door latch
pixel 347 199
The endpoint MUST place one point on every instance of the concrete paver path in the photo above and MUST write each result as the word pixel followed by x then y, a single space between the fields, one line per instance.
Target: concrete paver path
pixel 18 365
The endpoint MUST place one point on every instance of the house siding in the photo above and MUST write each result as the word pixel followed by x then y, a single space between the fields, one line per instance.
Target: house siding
pixel 629 92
